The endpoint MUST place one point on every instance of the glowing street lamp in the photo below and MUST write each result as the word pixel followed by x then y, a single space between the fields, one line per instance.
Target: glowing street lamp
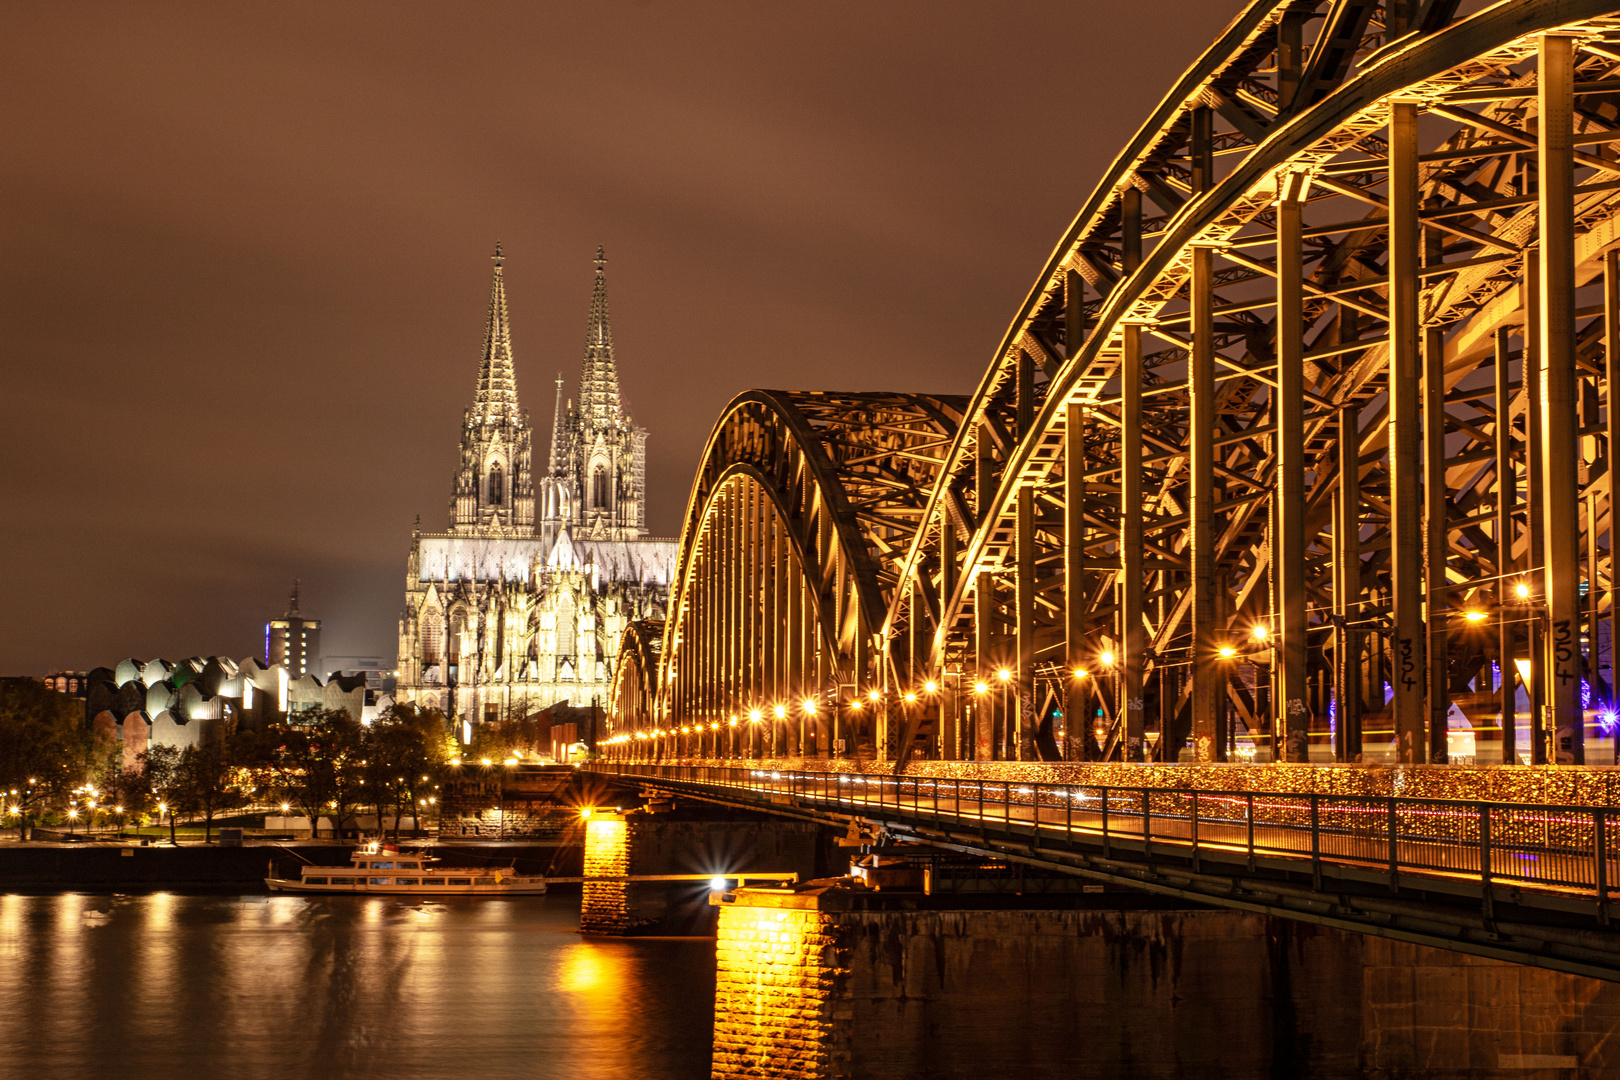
pixel 1227 652
pixel 930 686
pixel 1106 658
pixel 781 712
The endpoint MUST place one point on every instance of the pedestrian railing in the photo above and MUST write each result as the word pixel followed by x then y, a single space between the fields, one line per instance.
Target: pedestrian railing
pixel 1571 849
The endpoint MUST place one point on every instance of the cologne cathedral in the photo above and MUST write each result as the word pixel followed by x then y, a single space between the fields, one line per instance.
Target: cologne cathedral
pixel 520 603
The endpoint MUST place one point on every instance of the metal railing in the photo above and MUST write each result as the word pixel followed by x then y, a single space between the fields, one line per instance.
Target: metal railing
pixel 1568 849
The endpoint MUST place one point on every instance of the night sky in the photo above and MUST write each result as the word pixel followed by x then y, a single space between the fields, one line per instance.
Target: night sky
pixel 246 259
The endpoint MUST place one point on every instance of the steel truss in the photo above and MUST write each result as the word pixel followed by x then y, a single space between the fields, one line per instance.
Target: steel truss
pixel 1313 399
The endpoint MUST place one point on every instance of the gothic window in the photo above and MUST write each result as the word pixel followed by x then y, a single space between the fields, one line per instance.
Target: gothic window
pixel 495 488
pixel 599 487
pixel 432 638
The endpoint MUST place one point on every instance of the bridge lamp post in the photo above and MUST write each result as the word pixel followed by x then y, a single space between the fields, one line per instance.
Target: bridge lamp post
pixel 981 690
pixel 776 729
pixel 930 687
pixel 731 734
pixel 1006 727
pixel 855 709
pixel 810 728
pixel 754 740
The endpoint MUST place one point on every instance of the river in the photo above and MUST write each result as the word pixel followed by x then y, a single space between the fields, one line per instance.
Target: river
pixel 165 985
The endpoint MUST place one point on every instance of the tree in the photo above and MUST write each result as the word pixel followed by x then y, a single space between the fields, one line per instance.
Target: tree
pixel 406 748
pixel 44 745
pixel 314 760
pixel 160 769
pixel 208 781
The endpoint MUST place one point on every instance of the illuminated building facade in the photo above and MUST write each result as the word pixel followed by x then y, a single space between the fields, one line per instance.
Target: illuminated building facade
pixel 521 602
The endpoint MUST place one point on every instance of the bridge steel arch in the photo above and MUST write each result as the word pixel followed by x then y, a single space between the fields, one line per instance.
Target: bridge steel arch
pixel 1166 409
pixel 802 505
pixel 633 696
pixel 1307 424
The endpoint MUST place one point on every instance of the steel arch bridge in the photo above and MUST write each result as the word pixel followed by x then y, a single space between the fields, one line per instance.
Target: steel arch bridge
pixel 1303 436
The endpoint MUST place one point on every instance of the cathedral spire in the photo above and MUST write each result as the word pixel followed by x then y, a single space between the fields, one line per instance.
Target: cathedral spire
pixel 497 385
pixel 598 377
pixel 559 436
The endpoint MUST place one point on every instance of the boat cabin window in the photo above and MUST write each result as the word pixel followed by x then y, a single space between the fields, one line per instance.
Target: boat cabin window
pixel 408 866
pixel 314 881
pixel 381 881
pixel 406 881
pixel 431 881
pixel 485 881
pixel 457 881
pixel 382 866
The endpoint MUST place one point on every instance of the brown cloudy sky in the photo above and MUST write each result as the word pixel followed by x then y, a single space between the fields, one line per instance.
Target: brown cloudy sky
pixel 245 258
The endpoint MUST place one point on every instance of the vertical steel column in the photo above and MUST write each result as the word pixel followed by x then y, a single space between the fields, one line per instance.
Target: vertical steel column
pixel 1560 429
pixel 1506 488
pixel 956 738
pixel 1024 623
pixel 1074 557
pixel 1436 499
pixel 1534 485
pixel 1132 632
pixel 1406 532
pixel 1611 352
pixel 1208 674
pixel 1293 714
pixel 1347 597
pixel 984 711
pixel 776 631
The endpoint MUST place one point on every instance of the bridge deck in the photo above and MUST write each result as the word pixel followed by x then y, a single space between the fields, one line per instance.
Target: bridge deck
pixel 1472 866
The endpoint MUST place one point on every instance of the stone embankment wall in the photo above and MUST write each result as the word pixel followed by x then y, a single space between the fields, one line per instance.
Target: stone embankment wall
pixel 1549 784
pixel 809 988
pixel 509 803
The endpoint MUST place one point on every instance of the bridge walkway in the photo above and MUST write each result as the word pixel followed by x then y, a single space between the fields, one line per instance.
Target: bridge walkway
pixel 1533 883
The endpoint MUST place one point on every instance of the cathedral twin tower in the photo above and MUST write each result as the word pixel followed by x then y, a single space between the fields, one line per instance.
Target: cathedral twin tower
pixel 520 604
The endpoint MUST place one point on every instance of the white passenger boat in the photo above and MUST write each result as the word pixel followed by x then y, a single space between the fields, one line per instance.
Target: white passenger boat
pixel 375 869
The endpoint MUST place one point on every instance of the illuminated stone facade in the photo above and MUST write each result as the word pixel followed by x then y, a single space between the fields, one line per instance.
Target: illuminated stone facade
pixel 521 602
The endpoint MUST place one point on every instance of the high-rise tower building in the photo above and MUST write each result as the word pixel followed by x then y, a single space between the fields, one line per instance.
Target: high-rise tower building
pixel 515 606
pixel 294 641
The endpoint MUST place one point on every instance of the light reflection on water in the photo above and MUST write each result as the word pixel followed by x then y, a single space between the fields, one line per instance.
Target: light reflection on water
pixel 164 986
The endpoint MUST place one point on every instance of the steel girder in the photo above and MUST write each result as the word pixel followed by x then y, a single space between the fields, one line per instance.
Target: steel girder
pixel 803 506
pixel 1325 357
pixel 1277 201
pixel 635 679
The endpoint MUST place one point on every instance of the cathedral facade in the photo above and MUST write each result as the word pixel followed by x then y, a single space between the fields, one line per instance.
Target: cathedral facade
pixel 520 603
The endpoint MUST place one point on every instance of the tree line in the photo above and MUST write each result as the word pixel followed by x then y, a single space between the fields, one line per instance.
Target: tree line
pixel 56 770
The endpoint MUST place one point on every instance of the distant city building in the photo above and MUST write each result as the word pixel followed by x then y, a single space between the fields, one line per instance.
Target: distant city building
pixel 517 607
pixel 73 683
pixel 379 671
pixel 292 640
pixel 142 703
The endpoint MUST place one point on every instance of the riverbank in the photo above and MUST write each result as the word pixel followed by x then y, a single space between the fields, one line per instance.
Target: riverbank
pixel 118 867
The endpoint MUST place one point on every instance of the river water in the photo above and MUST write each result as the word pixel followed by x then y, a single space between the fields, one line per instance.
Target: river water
pixel 163 985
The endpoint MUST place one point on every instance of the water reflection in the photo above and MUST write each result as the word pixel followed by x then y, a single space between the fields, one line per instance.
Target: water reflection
pixel 166 985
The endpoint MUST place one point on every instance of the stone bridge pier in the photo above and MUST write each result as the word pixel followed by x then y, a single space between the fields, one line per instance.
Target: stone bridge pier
pixel 650 872
pixel 830 979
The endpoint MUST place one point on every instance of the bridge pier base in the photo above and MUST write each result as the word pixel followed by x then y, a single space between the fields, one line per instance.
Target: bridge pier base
pixel 627 853
pixel 830 981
